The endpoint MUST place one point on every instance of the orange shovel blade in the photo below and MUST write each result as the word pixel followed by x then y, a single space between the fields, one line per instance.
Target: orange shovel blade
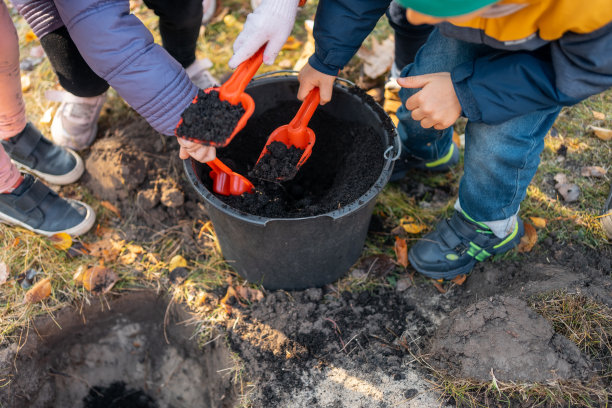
pixel 227 182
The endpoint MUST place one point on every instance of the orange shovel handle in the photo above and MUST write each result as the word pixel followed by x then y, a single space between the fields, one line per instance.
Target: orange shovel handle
pixel 234 87
pixel 299 123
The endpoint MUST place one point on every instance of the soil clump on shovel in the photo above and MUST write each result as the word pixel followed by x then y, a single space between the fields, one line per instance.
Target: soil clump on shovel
pixel 345 162
pixel 279 163
pixel 209 119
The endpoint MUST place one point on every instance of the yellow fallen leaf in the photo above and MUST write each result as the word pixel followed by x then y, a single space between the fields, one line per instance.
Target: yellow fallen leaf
pixel 410 226
pixel 61 241
pixel 99 279
pixel 177 262
pixel 529 239
pixel 538 222
pixel 602 133
pixel 230 21
pixel 599 115
pixel 107 248
pixel 26 83
pixel 131 253
pixel 38 292
pixel 30 36
pixel 401 251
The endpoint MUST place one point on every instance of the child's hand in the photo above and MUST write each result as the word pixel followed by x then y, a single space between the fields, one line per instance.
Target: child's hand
pixel 436 104
pixel 311 78
pixel 198 151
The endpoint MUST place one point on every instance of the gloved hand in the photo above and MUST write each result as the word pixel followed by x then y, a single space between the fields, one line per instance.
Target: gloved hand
pixel 270 23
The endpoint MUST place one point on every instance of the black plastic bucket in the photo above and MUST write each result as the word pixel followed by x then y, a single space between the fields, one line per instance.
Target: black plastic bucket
pixel 299 253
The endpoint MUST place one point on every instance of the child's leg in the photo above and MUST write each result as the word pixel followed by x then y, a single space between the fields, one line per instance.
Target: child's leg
pixel 12 106
pixel 179 26
pixel 408 38
pixel 439 54
pixel 499 163
pixel 9 174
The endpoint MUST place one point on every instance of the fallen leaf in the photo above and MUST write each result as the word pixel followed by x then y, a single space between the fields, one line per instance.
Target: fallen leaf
pixel 61 241
pixel 459 279
pixel 176 262
pixel 560 178
pixel 403 284
pixel 77 249
pixel 599 115
pixel 249 294
pixel 4 272
pixel 379 59
pixel 230 21
pixel 107 248
pixel 593 171
pixel 26 83
pixel 98 279
pixel 439 286
pixel 30 36
pixel 16 242
pixel 111 208
pixel 38 292
pixel 130 254
pixel 538 222
pixel 401 251
pixel 47 117
pixel 602 133
pixel 292 44
pixel 410 226
pixel 569 192
pixel 529 239
pixel 78 275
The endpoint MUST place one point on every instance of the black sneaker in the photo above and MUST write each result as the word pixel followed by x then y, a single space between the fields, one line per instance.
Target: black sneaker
pixel 33 153
pixel 407 162
pixel 36 207
pixel 455 246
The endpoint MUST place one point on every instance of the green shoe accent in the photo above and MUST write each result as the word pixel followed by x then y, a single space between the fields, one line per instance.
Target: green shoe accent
pixel 483 225
pixel 477 252
pixel 444 159
pixel 452 257
pixel 509 237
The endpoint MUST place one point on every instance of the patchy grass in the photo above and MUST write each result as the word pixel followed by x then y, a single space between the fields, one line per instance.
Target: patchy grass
pixel 209 275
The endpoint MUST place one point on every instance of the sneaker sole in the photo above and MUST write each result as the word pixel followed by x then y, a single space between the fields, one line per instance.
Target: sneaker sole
pixel 60 180
pixel 447 275
pixel 79 229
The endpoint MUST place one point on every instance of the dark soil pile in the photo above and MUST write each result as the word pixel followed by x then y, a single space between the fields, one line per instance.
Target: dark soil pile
pixel 117 395
pixel 279 162
pixel 346 161
pixel 210 120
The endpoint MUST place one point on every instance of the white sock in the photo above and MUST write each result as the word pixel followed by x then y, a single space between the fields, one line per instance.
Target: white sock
pixel 501 228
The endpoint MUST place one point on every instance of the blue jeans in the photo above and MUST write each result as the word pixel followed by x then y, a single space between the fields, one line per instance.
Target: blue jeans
pixel 500 160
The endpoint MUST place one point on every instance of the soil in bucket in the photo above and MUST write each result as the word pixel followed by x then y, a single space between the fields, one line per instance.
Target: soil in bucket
pixel 134 351
pixel 278 162
pixel 346 161
pixel 210 119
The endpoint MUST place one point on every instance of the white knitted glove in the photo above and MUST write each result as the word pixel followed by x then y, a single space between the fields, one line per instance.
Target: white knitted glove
pixel 270 23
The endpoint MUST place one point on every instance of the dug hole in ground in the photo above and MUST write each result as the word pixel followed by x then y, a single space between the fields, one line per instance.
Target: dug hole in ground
pixel 312 348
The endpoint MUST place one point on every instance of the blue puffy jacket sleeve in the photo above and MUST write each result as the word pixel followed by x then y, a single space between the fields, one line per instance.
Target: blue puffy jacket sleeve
pixel 340 28
pixel 120 49
pixel 506 85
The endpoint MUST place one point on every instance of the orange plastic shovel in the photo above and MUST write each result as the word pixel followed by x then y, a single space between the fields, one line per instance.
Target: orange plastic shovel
pixel 227 182
pixel 232 91
pixel 297 133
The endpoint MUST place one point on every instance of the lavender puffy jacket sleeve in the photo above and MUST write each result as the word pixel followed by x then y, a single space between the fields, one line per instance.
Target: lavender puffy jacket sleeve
pixel 120 49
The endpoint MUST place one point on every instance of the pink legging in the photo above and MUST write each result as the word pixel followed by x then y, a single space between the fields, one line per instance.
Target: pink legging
pixel 12 107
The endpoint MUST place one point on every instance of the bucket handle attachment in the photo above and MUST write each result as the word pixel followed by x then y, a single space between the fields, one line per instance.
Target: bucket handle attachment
pixel 397 147
pixel 294 73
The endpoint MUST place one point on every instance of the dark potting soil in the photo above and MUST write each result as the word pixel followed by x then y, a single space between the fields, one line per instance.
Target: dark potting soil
pixel 346 161
pixel 117 395
pixel 279 162
pixel 210 119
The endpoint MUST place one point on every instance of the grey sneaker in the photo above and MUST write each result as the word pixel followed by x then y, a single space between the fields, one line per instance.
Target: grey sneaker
pixel 75 123
pixel 36 207
pixel 200 75
pixel 32 152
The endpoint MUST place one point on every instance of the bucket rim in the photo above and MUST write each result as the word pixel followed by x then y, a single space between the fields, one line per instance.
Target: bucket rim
pixel 382 180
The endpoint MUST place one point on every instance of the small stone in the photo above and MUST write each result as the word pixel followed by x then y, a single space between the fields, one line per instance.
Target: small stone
pixel 403 284
pixel 148 198
pixel 411 393
pixel 569 192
